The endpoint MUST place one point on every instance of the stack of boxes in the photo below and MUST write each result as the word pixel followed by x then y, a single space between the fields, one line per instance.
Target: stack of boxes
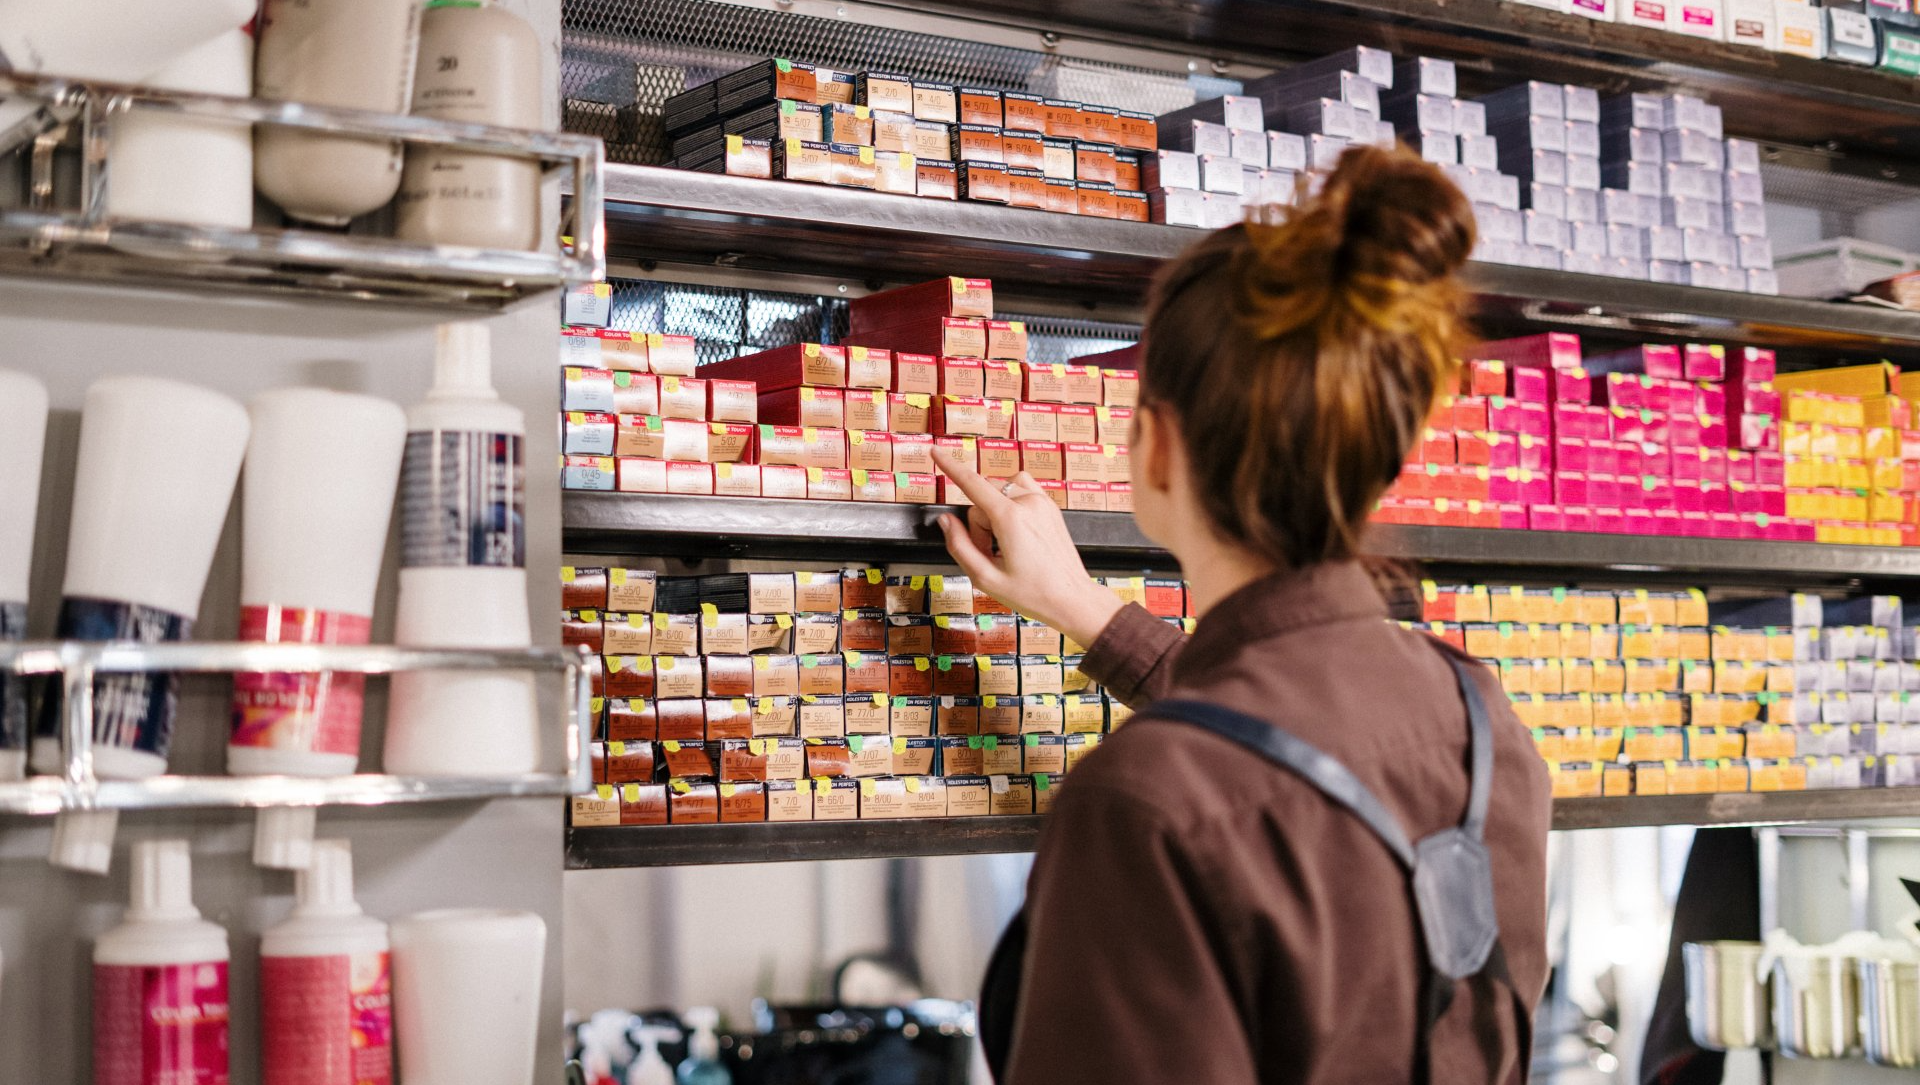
pixel 1852 457
pixel 1881 33
pixel 924 366
pixel 829 695
pixel 1690 440
pixel 1224 155
pixel 1656 693
pixel 889 132
pixel 1637 186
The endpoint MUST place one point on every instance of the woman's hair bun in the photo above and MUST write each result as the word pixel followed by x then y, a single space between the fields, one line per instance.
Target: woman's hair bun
pixel 1402 218
pixel 1381 238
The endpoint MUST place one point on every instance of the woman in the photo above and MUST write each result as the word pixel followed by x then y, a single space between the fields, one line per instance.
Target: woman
pixel 1200 913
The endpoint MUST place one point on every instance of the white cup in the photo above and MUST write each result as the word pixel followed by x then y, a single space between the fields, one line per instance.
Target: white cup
pixel 466 995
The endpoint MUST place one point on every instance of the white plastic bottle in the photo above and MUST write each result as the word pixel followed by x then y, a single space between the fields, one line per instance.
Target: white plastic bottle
pixel 158 461
pixel 466 995
pixel 326 983
pixel 463 578
pixel 354 54
pixel 319 483
pixel 23 433
pixel 160 981
pixel 318 488
pixel 479 64
pixel 171 167
pixel 116 41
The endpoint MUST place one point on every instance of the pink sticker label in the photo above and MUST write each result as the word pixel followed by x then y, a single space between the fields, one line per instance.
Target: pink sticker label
pixel 327 1020
pixel 160 1024
pixel 1697 16
pixel 1643 9
pixel 317 713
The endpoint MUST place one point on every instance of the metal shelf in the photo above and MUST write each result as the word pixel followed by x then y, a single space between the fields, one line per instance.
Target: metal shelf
pixel 803 841
pixel 43 795
pixel 677 216
pixel 76 665
pixel 1768 95
pixel 696 845
pixel 677 525
pixel 64 230
pixel 1748 808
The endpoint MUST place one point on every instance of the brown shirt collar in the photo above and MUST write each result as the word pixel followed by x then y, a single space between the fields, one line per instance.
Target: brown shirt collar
pixel 1334 591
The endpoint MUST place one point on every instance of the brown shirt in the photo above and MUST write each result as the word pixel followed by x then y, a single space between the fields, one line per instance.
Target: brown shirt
pixel 1201 916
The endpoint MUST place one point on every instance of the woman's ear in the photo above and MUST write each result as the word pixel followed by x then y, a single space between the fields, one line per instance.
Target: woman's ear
pixel 1154 447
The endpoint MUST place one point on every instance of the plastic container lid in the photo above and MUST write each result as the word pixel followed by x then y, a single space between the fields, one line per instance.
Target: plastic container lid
pixel 325 887
pixel 162 881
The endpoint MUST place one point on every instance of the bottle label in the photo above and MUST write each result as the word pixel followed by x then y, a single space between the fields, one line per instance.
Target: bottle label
pixel 130 711
pixel 327 1020
pixel 463 500
pixel 160 1024
pixel 318 713
pixel 13 691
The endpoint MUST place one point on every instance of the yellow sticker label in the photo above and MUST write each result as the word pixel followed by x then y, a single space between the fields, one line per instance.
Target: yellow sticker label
pixel 873 576
pixel 784 621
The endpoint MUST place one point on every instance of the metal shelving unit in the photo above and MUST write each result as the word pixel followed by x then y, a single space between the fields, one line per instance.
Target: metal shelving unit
pixel 1862 122
pixel 676 216
pixel 66 231
pixel 684 845
pixel 679 525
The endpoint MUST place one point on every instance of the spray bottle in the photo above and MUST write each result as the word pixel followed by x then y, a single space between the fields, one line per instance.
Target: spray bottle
pixel 160 981
pixel 702 1064
pixel 326 987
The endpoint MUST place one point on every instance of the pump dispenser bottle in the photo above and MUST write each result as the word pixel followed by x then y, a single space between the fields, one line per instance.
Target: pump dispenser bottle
pixel 479 64
pixel 326 985
pixel 463 579
pixel 650 1068
pixel 23 433
pixel 702 1064
pixel 160 981
pixel 354 54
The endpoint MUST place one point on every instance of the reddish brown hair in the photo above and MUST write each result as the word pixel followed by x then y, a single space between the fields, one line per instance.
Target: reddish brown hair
pixel 1302 351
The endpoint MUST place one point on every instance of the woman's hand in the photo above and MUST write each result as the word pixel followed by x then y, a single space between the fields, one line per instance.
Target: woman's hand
pixel 1036 570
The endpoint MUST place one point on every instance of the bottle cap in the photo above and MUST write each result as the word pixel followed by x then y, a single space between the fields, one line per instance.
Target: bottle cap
pixel 462 361
pixel 162 881
pixel 325 887
pixel 283 837
pixel 83 840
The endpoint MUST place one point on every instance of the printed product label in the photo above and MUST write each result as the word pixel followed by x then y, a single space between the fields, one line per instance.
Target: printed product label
pixel 318 713
pixel 1650 12
pixel 327 1020
pixel 1902 55
pixel 160 1024
pixel 463 500
pixel 130 711
pixel 13 691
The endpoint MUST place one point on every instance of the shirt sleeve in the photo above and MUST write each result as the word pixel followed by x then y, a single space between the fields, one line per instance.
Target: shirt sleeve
pixel 1133 656
pixel 1120 981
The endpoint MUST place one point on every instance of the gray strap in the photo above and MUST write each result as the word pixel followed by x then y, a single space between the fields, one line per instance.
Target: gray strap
pixel 1320 769
pixel 1333 779
pixel 1480 737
